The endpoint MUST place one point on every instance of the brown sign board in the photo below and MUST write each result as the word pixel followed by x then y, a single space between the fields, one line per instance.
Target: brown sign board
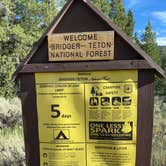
pixel 81 46
pixel 83 17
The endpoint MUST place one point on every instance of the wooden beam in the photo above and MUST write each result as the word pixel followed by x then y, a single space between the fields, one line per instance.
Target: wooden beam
pixel 30 120
pixel 86 66
pixel 145 117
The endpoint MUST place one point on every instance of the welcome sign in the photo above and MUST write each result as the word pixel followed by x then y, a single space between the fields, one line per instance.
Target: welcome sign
pixel 81 46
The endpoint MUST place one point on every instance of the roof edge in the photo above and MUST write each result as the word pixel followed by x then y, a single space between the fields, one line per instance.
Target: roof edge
pixel 159 71
pixel 44 35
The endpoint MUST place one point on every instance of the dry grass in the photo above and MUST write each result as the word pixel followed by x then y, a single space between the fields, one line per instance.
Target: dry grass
pixel 10 112
pixel 12 147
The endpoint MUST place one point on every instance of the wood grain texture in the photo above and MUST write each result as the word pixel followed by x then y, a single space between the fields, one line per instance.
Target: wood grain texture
pixel 86 66
pixel 145 117
pixel 30 120
pixel 81 46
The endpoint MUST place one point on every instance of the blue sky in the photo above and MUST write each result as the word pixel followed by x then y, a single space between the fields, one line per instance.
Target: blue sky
pixel 152 10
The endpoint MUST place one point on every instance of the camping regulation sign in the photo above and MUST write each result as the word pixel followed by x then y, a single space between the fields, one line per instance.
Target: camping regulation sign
pixel 81 46
pixel 87 118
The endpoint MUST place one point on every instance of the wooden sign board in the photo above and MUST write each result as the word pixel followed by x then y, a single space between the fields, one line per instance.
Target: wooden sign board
pixel 81 46
pixel 101 111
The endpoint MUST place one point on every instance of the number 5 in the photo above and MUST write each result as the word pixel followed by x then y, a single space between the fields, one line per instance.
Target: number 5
pixel 55 113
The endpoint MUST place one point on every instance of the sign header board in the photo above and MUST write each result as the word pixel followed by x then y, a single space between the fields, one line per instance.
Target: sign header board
pixel 81 46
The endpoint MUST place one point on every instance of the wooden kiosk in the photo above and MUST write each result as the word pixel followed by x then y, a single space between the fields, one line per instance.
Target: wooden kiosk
pixel 87 93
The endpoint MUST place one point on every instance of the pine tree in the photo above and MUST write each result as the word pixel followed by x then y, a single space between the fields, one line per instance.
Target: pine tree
pixel 130 24
pixel 149 44
pixel 103 5
pixel 161 83
pixel 22 22
pixel 118 14
pixel 136 39
pixel 116 11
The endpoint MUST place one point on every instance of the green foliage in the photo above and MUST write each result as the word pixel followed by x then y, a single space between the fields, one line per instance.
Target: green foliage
pixel 103 5
pixel 161 83
pixel 149 44
pixel 22 22
pixel 136 39
pixel 118 15
pixel 129 28
pixel 116 11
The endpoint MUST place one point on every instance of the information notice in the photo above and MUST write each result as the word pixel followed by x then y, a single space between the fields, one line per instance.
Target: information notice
pixel 81 46
pixel 87 118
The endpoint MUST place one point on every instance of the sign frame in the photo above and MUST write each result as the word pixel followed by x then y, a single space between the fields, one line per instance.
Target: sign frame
pixel 83 16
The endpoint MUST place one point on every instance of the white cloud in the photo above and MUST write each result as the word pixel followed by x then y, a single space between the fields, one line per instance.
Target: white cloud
pixel 161 41
pixel 131 3
pixel 157 33
pixel 160 15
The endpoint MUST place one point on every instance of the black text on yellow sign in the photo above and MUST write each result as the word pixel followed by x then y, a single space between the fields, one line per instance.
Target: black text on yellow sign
pixel 87 118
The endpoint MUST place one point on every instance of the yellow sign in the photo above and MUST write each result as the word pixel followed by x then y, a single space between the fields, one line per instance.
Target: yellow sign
pixel 81 46
pixel 87 118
